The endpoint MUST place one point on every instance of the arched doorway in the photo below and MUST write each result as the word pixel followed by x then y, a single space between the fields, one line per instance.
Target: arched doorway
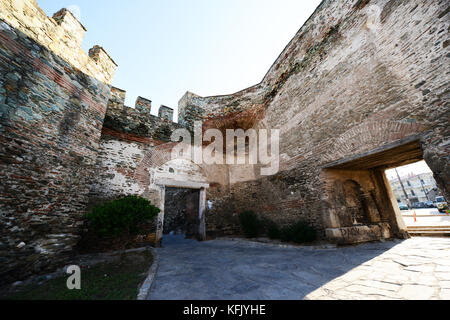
pixel 181 212
pixel 189 179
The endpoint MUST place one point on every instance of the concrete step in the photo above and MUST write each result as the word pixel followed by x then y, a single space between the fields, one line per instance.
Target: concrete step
pixel 428 227
pixel 429 233
pixel 429 230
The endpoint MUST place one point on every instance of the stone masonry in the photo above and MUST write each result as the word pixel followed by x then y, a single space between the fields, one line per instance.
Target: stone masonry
pixel 360 77
pixel 361 88
pixel 53 99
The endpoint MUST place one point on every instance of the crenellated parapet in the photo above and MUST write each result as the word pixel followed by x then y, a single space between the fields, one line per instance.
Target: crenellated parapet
pixel 143 105
pixel 104 63
pixel 138 121
pixel 117 99
pixel 165 113
pixel 74 29
pixel 63 34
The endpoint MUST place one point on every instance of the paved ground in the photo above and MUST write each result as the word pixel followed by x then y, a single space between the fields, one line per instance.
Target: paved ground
pixel 426 217
pixel 427 211
pixel 418 268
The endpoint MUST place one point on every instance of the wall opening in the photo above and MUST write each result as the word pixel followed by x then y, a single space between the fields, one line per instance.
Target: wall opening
pixel 421 202
pixel 361 205
pixel 181 212
pixel 183 206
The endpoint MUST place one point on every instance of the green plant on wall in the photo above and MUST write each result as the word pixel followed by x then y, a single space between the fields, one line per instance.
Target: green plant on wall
pixel 299 232
pixel 273 231
pixel 250 224
pixel 121 216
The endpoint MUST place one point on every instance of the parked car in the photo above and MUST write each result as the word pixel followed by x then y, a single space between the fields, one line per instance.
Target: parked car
pixel 430 204
pixel 403 206
pixel 418 205
pixel 441 204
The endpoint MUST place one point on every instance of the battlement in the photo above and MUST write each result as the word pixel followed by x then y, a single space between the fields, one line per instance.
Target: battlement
pixel 63 34
pixel 124 121
pixel 165 113
pixel 74 29
pixel 102 59
pixel 143 106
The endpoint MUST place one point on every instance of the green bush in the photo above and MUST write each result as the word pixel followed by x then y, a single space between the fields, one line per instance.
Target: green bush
pixel 273 231
pixel 250 224
pixel 121 216
pixel 299 232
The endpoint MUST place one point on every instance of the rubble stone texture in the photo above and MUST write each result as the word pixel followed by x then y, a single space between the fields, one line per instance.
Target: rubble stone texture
pixel 362 87
pixel 51 117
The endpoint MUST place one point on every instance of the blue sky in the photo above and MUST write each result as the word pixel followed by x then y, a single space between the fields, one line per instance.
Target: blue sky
pixel 405 171
pixel 209 47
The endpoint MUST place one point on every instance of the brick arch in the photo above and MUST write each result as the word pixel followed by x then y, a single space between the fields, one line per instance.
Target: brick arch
pixel 368 136
pixel 154 158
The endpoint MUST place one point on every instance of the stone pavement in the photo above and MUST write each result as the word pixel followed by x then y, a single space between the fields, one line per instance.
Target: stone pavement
pixel 418 268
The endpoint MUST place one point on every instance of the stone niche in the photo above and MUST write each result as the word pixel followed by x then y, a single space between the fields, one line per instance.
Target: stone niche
pixel 355 210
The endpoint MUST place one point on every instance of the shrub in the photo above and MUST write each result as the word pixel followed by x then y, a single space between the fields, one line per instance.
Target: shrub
pixel 299 232
pixel 273 231
pixel 121 216
pixel 250 224
pixel 286 234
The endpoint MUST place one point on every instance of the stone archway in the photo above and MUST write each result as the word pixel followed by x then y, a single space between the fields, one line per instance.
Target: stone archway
pixel 180 173
pixel 158 171
pixel 201 226
pixel 361 206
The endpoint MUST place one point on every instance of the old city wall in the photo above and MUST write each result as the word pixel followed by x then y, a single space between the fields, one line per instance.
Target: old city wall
pixel 135 154
pixel 360 80
pixel 128 136
pixel 53 99
pixel 358 76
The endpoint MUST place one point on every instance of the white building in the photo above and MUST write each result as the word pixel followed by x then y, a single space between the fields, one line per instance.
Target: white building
pixel 419 187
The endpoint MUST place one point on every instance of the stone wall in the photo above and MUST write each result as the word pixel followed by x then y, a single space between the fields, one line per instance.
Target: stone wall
pixel 360 88
pixel 53 100
pixel 62 34
pixel 128 136
pixel 138 121
pixel 358 76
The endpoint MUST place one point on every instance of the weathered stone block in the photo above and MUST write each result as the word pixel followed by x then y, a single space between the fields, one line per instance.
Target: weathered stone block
pixel 356 234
